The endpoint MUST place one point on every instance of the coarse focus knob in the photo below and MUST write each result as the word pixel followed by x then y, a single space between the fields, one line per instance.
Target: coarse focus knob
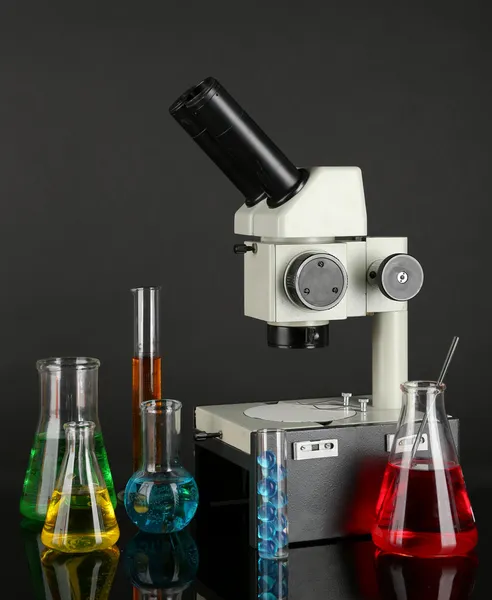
pixel 317 281
pixel 399 277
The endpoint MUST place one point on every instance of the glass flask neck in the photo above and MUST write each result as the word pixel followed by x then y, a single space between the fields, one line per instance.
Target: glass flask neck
pixel 146 321
pixel 423 416
pixel 80 452
pixel 69 388
pixel 161 429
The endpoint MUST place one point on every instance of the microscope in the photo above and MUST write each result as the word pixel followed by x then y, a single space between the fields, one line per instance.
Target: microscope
pixel 307 261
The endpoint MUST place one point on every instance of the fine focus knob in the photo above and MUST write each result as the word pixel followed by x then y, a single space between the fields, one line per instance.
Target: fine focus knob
pixel 315 281
pixel 399 277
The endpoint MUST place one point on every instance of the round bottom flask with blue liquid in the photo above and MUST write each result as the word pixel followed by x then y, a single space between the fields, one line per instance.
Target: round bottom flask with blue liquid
pixel 161 497
pixel 271 504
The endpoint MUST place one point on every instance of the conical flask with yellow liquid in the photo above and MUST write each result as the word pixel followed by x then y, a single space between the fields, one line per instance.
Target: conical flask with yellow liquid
pixel 80 515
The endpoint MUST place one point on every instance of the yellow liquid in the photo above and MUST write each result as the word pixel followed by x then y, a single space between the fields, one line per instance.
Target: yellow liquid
pixel 80 522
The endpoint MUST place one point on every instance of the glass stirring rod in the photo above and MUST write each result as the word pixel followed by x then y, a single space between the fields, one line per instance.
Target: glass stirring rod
pixel 444 369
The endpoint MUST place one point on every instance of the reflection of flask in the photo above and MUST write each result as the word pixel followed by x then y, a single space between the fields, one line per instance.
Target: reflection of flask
pixel 423 507
pixel 34 548
pixel 68 392
pixel 409 578
pixel 161 566
pixel 81 576
pixel 80 515
pixel 161 497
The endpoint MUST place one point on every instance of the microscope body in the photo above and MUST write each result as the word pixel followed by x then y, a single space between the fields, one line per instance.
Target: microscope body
pixel 307 262
pixel 311 262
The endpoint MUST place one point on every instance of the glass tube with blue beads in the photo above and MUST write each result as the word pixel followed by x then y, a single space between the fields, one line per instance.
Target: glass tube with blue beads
pixel 271 494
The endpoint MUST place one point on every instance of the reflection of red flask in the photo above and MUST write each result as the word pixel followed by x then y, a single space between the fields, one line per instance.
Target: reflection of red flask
pixel 360 513
pixel 423 508
pixel 410 578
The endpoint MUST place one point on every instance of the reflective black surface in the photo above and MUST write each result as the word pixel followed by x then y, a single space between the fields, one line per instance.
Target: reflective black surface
pixel 212 561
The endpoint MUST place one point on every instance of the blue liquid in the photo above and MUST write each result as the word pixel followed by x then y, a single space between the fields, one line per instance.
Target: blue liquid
pixel 161 502
pixel 267 487
pixel 267 512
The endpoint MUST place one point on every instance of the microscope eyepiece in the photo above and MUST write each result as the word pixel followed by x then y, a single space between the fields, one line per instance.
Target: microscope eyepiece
pixel 236 144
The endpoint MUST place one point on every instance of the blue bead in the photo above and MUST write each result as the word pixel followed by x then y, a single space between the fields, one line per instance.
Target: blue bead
pixel 281 588
pixel 281 523
pixel 266 531
pixel 265 583
pixel 267 567
pixel 267 487
pixel 267 549
pixel 267 512
pixel 266 460
pixel 267 596
pixel 280 499
pixel 281 539
pixel 277 473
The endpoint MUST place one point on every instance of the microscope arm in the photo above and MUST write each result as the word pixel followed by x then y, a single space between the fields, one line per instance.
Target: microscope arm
pixel 389 357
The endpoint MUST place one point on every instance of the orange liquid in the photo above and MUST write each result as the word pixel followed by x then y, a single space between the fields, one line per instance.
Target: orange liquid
pixel 146 385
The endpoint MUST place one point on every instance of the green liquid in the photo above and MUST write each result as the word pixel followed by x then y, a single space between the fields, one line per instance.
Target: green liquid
pixel 42 471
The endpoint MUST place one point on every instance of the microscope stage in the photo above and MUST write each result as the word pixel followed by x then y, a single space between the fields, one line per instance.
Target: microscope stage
pixel 238 421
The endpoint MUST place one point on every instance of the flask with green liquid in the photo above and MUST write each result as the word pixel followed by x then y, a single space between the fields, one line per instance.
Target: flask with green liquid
pixel 68 392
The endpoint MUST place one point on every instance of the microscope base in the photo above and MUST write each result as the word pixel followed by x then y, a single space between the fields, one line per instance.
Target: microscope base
pixel 332 494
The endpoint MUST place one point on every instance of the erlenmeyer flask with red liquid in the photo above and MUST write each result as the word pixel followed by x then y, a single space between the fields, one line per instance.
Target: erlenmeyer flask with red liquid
pixel 423 508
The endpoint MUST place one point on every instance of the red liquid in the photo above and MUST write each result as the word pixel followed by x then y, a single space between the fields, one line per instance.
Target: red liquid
pixel 424 512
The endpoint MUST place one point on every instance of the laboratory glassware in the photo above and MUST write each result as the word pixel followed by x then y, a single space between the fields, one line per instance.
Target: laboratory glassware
pixel 34 549
pixel 272 500
pixel 161 497
pixel 273 579
pixel 80 515
pixel 68 392
pixel 161 565
pixel 441 578
pixel 80 576
pixel 423 508
pixel 146 362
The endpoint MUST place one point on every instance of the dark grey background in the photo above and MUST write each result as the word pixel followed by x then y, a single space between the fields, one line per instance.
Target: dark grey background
pixel 101 191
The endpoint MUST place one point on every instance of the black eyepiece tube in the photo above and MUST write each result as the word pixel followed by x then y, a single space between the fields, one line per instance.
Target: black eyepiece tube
pixel 249 187
pixel 242 148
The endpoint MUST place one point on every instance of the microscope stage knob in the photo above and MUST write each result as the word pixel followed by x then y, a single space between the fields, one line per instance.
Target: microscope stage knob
pixel 399 277
pixel 317 281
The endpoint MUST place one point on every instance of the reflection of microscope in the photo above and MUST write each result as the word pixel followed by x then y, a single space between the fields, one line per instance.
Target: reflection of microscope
pixel 307 262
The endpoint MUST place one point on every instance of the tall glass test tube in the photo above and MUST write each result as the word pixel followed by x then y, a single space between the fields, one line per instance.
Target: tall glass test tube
pixel 146 369
pixel 271 505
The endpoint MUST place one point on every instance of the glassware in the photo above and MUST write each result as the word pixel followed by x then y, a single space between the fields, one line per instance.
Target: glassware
pixel 273 579
pixel 423 508
pixel 161 497
pixel 68 392
pixel 146 363
pixel 271 465
pixel 80 515
pixel 34 548
pixel 81 576
pixel 161 563
pixel 406 577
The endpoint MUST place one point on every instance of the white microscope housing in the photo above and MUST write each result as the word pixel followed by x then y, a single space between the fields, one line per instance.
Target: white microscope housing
pixel 309 262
